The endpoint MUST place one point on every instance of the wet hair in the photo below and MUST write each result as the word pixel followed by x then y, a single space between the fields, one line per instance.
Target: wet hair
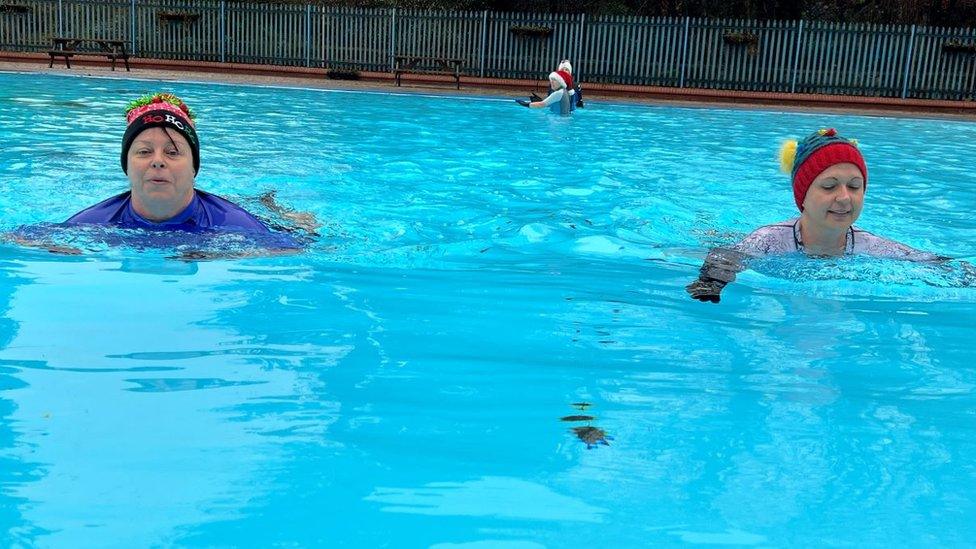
pixel 171 140
pixel 168 136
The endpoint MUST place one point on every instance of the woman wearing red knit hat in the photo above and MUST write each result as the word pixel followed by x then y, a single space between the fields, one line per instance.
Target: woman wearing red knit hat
pixel 829 181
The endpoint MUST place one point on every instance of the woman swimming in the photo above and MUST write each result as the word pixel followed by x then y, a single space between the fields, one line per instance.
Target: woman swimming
pixel 829 181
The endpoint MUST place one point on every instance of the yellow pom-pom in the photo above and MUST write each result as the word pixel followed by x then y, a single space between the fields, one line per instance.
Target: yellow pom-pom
pixel 787 155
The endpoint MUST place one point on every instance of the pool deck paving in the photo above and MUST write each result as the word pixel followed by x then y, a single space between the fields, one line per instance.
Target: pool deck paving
pixel 268 75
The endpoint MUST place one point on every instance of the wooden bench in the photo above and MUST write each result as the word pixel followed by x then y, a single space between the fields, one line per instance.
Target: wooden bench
pixel 416 64
pixel 69 47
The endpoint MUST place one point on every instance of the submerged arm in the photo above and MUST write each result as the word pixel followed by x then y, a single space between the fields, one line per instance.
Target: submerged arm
pixel 720 268
pixel 22 240
pixel 722 264
pixel 213 255
pixel 304 221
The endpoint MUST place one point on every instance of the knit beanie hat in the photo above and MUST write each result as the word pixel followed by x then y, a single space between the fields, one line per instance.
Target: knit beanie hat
pixel 161 110
pixel 806 160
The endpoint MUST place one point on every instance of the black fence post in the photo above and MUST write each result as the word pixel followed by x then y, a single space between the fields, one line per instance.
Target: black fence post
pixel 392 56
pixel 908 63
pixel 222 29
pixel 308 35
pixel 684 53
pixel 796 55
pixel 132 28
pixel 484 42
pixel 578 77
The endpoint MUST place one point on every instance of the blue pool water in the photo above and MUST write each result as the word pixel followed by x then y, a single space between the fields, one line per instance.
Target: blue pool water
pixel 481 269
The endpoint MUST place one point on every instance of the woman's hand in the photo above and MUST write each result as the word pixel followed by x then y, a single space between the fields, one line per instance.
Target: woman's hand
pixel 706 289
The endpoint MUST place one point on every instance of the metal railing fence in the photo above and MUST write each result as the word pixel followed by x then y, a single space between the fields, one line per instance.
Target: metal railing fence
pixel 781 56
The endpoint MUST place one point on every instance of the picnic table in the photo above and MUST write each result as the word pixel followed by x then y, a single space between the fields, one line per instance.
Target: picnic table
pixel 418 64
pixel 68 47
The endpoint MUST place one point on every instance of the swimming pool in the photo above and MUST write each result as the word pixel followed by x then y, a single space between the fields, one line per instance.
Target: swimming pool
pixel 482 270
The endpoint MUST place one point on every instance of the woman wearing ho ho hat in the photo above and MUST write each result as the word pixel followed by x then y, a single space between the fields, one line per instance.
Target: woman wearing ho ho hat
pixel 161 157
pixel 829 181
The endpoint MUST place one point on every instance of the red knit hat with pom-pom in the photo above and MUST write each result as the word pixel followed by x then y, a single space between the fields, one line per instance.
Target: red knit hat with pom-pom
pixel 817 152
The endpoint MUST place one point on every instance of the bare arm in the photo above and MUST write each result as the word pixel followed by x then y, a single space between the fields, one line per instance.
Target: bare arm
pixel 553 97
pixel 21 240
pixel 304 221
pixel 208 255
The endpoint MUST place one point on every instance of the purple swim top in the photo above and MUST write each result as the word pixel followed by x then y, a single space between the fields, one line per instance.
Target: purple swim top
pixel 205 211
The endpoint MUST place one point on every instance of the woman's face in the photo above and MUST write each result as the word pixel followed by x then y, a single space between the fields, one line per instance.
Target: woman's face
pixel 160 173
pixel 834 199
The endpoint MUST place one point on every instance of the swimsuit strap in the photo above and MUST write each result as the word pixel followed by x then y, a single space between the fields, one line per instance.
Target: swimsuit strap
pixel 798 238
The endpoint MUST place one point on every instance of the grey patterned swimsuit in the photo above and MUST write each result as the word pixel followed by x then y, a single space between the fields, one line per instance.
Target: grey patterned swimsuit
pixel 722 264
pixel 784 237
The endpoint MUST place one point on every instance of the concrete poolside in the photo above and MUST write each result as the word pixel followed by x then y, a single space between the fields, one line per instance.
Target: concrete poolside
pixel 269 75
